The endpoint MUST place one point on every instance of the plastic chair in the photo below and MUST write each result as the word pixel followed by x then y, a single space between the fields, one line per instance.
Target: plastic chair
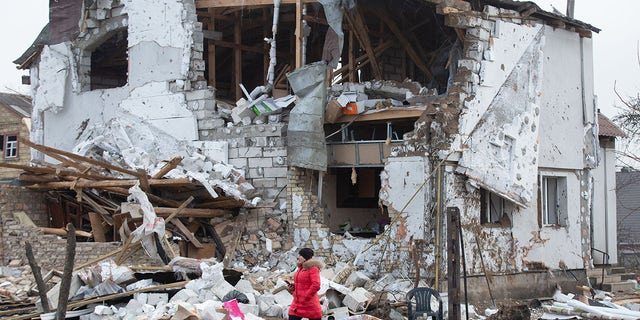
pixel 422 296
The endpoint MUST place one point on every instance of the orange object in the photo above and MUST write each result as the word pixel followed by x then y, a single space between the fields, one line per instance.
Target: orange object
pixel 350 108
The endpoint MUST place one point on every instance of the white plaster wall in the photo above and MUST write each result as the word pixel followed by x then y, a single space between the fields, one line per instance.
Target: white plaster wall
pixel 401 178
pixel 160 41
pixel 604 233
pixel 500 151
pixel 562 129
pixel 556 247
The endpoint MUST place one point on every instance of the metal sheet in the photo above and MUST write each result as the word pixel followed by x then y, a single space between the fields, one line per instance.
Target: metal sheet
pixel 305 136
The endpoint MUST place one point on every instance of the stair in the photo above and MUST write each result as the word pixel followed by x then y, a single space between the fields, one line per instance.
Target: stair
pixel 614 281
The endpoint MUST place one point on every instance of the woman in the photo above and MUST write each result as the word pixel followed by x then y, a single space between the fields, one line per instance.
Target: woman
pixel 306 283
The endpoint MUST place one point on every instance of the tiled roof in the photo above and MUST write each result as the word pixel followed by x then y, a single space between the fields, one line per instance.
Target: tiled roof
pixel 607 128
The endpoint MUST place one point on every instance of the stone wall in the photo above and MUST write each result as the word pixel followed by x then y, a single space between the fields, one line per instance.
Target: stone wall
pixel 49 250
pixel 11 123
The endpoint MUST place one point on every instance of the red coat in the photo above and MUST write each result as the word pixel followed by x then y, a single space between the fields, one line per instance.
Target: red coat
pixel 306 303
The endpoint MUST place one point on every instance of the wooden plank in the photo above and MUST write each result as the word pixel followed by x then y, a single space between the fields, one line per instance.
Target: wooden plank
pixel 406 44
pixel 191 212
pixel 152 197
pixel 97 228
pixel 84 183
pixel 362 33
pixel 179 209
pixel 190 236
pixel 52 151
pixel 104 214
pixel 395 113
pixel 244 3
pixel 63 232
pixel 55 171
pixel 238 229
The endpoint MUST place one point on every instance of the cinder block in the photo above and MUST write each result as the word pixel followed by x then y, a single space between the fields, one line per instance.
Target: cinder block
pixel 357 299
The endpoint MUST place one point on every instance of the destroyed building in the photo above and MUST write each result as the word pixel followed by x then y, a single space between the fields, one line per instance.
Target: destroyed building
pixel 405 113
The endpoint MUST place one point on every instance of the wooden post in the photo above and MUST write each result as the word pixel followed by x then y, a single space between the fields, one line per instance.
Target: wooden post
pixel 237 56
pixel 453 262
pixel 65 284
pixel 299 31
pixel 211 57
pixel 42 289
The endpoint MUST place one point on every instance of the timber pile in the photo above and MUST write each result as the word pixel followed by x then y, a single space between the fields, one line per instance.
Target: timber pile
pixel 92 194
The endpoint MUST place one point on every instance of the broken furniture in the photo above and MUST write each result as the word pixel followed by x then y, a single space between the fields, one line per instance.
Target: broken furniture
pixel 423 296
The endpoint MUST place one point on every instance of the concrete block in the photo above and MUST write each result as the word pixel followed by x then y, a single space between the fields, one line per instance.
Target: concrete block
pixel 357 299
pixel 275 172
pixel 156 299
pixel 260 163
pixel 357 279
pixel 199 95
pixel 274 152
pixel 249 308
pixel 250 152
pixel 240 112
pixel 283 298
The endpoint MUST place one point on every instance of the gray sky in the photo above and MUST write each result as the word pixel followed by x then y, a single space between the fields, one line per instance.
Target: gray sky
pixel 615 47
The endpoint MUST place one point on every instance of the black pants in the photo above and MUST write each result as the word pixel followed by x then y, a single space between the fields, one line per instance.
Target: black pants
pixel 299 318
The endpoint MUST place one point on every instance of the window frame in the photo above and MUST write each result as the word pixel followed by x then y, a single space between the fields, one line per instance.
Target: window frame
pixel 556 184
pixel 14 148
pixel 494 209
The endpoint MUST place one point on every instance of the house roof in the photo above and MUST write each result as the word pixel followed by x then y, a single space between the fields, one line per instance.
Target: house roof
pixel 528 8
pixel 18 103
pixel 607 128
pixel 25 60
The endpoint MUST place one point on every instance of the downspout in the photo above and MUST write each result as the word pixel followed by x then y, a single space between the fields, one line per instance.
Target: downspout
pixel 305 25
pixel 606 203
pixel 584 102
pixel 272 42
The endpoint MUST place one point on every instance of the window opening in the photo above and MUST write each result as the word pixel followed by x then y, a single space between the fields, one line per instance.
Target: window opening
pixel 110 62
pixel 493 208
pixel 554 200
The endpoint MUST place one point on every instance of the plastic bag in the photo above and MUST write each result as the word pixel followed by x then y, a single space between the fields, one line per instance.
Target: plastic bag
pixel 234 309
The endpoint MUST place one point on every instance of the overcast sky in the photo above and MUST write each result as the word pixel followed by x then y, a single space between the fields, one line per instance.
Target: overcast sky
pixel 615 47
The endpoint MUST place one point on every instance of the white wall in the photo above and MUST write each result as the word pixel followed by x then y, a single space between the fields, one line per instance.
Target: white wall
pixel 159 41
pixel 604 233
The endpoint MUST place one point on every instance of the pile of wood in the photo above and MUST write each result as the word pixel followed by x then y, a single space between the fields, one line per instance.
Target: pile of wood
pixel 92 195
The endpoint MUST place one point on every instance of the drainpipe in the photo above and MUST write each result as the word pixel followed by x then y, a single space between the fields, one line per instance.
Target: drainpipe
pixel 606 204
pixel 272 41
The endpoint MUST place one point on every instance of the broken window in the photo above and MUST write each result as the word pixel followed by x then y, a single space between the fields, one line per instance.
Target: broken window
pixel 110 62
pixel 553 198
pixel 493 208
pixel 10 146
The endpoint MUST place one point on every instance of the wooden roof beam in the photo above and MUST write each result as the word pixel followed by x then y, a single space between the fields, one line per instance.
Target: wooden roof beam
pixel 244 3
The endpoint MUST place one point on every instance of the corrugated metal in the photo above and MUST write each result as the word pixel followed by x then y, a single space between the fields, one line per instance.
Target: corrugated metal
pixel 628 206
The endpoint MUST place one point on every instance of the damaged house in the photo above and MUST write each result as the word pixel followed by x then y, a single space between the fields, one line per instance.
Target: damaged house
pixel 378 130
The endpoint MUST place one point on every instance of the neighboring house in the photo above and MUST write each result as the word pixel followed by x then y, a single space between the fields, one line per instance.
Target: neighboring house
pixel 15 123
pixel 604 241
pixel 628 208
pixel 497 122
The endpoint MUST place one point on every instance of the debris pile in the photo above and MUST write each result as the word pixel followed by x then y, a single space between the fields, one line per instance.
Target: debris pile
pixel 599 306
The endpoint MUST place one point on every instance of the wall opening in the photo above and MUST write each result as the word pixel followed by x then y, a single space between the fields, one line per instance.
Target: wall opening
pixel 351 197
pixel 494 210
pixel 110 62
pixel 553 198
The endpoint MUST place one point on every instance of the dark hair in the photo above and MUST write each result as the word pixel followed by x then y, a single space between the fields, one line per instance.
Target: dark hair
pixel 306 253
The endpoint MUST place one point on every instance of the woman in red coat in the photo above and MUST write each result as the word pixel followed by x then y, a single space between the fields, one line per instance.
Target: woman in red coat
pixel 306 283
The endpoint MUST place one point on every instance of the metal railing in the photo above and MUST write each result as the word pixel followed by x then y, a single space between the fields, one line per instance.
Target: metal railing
pixel 605 260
